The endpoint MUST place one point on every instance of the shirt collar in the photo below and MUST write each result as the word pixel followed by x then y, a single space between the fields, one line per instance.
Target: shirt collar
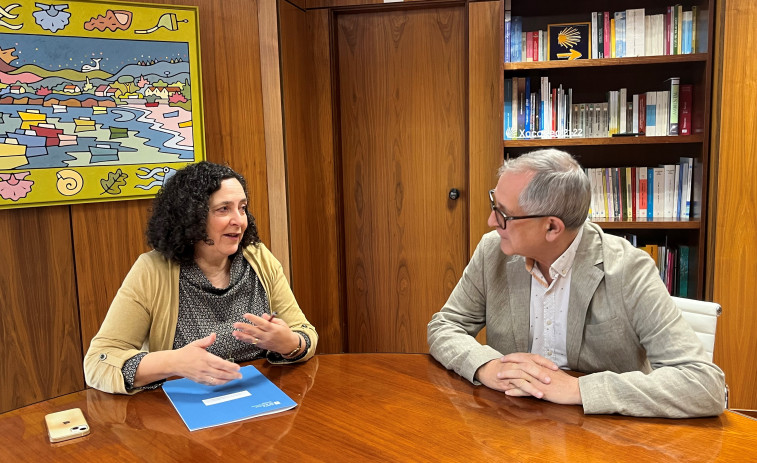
pixel 561 266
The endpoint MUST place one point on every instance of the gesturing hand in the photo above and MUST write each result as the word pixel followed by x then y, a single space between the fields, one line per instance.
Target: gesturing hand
pixel 266 332
pixel 193 361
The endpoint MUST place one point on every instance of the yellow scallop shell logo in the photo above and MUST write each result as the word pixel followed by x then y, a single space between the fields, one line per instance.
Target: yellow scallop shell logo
pixel 69 182
pixel 569 37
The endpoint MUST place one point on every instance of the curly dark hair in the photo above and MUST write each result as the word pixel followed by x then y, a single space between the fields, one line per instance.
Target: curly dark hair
pixel 179 212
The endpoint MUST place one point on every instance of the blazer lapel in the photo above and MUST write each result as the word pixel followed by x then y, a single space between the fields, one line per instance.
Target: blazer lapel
pixel 520 301
pixel 587 273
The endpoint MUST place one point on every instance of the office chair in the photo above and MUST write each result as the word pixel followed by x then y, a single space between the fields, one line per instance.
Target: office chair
pixel 703 317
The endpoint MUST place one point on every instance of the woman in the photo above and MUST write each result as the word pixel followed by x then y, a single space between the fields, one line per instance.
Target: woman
pixel 204 298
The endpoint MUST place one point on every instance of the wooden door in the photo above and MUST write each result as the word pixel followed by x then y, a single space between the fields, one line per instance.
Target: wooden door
pixel 401 99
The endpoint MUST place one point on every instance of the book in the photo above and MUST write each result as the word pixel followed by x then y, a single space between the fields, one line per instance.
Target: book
pixel 686 171
pixel 683 271
pixel 606 30
pixel 642 201
pixel 669 192
pixel 650 193
pixel 516 28
pixel 202 406
pixel 642 113
pixel 684 105
pixel 673 86
pixel 651 110
pixel 659 192
pixel 508 20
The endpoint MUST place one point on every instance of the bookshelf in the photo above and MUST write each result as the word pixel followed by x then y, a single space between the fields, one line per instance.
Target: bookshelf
pixel 590 81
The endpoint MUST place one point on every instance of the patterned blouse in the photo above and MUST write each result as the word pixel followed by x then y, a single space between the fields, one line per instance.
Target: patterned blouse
pixel 204 309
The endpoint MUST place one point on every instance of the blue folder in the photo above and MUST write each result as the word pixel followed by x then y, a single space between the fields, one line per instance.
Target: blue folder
pixel 202 406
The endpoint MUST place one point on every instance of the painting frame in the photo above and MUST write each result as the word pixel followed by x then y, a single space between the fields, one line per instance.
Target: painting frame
pixel 99 100
pixel 569 41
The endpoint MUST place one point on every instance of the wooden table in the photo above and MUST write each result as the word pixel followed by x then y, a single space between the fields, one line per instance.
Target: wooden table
pixel 374 407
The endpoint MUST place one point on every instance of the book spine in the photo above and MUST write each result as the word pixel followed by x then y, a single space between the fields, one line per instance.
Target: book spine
pixel 683 271
pixel 535 46
pixel 642 193
pixel 521 105
pixel 527 97
pixel 515 37
pixel 613 52
pixel 679 23
pixel 669 190
pixel 606 16
pixel 694 19
pixel 617 189
pixel 594 54
pixel 685 97
pixel 622 105
pixel 650 121
pixel 628 197
pixel 677 193
pixel 508 20
pixel 633 192
pixel 659 192
pixel 642 113
pixel 529 46
pixel 673 105
pixel 507 112
pixel 600 35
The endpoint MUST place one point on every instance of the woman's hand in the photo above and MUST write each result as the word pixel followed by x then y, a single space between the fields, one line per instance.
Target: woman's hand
pixel 193 361
pixel 268 333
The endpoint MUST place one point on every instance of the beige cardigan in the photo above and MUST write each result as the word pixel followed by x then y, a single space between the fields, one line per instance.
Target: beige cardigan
pixel 144 314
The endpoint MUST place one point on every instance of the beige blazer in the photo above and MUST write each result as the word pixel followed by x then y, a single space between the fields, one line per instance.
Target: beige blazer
pixel 144 313
pixel 644 359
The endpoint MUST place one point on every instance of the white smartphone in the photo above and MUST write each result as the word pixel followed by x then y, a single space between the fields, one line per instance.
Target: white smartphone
pixel 66 425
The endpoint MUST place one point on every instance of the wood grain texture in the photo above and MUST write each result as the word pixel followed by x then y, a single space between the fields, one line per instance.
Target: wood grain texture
pixel 39 325
pixel 735 243
pixel 312 186
pixel 107 239
pixel 403 142
pixel 375 408
pixel 274 132
pixel 484 112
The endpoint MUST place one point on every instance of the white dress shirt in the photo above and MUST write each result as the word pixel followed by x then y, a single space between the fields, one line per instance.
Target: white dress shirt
pixel 549 306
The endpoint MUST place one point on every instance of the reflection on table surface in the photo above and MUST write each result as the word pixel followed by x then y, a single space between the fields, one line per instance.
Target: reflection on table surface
pixel 374 407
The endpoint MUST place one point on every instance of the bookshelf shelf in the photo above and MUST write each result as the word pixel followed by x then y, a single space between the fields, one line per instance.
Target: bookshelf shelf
pixel 658 224
pixel 642 140
pixel 606 62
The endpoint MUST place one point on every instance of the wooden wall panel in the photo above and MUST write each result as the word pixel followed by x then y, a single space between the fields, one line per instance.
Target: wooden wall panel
pixel 39 325
pixel 484 112
pixel 735 211
pixel 313 214
pixel 270 76
pixel 108 237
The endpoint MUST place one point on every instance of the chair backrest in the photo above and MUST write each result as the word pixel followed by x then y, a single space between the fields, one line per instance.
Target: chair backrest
pixel 703 317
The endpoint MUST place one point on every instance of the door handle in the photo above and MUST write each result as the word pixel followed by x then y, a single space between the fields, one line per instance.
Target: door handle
pixel 454 194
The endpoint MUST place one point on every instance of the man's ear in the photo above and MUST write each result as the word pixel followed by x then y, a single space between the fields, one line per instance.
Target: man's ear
pixel 555 228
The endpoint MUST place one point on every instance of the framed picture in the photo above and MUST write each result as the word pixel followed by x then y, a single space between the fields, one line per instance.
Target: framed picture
pixel 569 41
pixel 99 100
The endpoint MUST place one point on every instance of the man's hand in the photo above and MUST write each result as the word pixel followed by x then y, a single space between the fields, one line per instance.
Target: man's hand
pixel 524 374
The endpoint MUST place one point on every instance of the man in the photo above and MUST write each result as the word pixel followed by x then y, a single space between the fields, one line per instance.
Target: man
pixel 555 293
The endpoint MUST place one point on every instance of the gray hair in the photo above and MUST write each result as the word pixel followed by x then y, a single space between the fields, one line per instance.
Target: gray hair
pixel 558 188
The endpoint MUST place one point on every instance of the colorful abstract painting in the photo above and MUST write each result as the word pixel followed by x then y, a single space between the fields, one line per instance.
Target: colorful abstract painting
pixel 99 101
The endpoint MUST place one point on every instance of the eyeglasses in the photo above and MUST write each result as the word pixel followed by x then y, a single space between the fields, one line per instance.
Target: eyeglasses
pixel 502 219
